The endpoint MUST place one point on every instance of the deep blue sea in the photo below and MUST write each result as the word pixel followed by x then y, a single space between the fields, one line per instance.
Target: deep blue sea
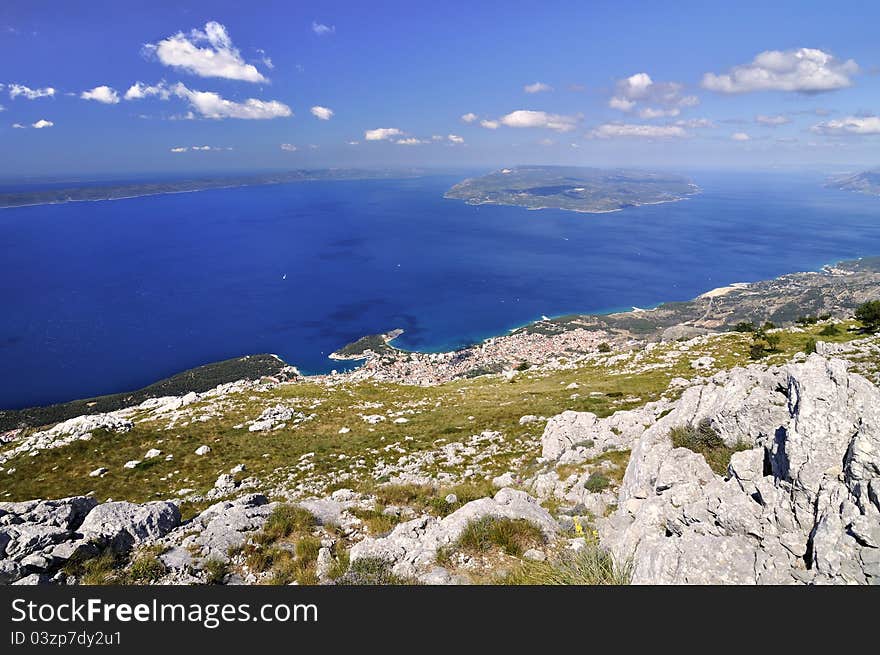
pixel 100 297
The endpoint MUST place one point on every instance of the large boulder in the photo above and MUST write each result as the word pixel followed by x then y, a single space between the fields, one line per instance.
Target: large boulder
pixel 800 505
pixel 121 525
pixel 575 436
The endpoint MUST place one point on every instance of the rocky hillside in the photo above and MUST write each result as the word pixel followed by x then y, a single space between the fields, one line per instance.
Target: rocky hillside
pixel 693 461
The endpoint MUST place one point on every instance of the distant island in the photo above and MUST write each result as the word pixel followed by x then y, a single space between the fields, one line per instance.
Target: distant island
pixel 116 191
pixel 588 190
pixel 867 182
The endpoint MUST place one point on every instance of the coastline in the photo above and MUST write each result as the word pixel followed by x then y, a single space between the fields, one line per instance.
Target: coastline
pixel 594 327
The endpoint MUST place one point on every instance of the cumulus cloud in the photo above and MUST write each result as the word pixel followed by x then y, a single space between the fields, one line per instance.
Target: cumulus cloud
pixel 40 124
pixel 528 118
pixel 489 125
pixel 651 112
pixel 16 90
pixel 849 125
pixel 212 105
pixel 740 136
pixel 139 91
pixel 322 30
pixel 640 88
pixel 469 117
pixel 381 133
pixel 621 104
pixel 179 149
pixel 806 70
pixel 537 87
pixel 409 141
pixel 102 94
pixel 322 113
pixel 772 121
pixel 19 126
pixel 454 138
pixel 695 123
pixel 206 53
pixel 615 130
pixel 288 147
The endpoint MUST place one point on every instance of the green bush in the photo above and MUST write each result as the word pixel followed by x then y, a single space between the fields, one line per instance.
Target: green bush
pixel 868 314
pixel 146 567
pixel 744 326
pixel 703 439
pixel 829 330
pixel 810 346
pixel 604 347
pixel 596 483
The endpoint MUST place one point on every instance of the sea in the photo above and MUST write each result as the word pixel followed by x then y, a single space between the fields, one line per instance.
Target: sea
pixel 102 297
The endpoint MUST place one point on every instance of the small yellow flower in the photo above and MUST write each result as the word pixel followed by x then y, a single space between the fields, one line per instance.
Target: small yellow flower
pixel 578 528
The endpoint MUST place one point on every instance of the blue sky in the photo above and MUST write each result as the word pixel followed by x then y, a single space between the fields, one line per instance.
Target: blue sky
pixel 677 84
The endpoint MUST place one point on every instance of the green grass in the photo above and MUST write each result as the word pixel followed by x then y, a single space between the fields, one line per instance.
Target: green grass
pixel 589 566
pixel 703 439
pixel 215 570
pixel 511 536
pixel 145 567
pixel 439 413
pixel 286 519
pixel 596 483
pixel 371 571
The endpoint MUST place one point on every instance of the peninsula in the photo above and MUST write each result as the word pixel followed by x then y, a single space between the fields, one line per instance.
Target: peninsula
pixel 86 192
pixel 587 190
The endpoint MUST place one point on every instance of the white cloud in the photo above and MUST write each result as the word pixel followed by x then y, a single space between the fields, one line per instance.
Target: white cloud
pixel 528 118
pixel 212 105
pixel 740 136
pixel 353 143
pixel 410 141
pixel 218 57
pixel 179 149
pixel 19 126
pixel 381 133
pixel 266 59
pixel 537 87
pixel 489 125
pixel 40 124
pixel 288 147
pixel 16 90
pixel 322 113
pixel 454 138
pixel 469 117
pixel 651 112
pixel 806 70
pixel 621 104
pixel 2 108
pixel 640 88
pixel 614 130
pixel 102 94
pixel 695 123
pixel 849 125
pixel 322 30
pixel 772 121
pixel 139 91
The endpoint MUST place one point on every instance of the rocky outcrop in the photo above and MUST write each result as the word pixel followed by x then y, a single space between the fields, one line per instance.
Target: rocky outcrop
pixel 411 548
pixel 574 437
pixel 75 429
pixel 800 503
pixel 122 525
